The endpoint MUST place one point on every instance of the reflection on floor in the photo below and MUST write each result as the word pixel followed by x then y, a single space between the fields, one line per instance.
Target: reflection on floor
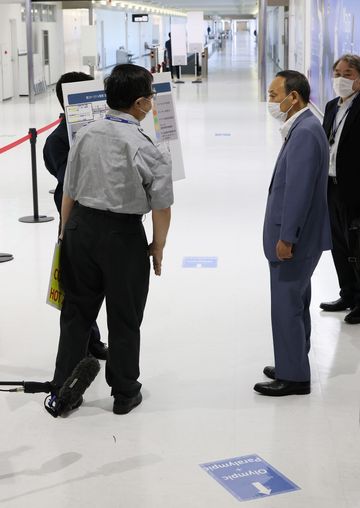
pixel 206 334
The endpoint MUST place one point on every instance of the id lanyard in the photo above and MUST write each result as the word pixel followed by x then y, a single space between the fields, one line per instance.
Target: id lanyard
pixel 334 129
pixel 118 119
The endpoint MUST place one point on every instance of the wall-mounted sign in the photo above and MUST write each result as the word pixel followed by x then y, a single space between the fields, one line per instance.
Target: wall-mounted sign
pixel 140 18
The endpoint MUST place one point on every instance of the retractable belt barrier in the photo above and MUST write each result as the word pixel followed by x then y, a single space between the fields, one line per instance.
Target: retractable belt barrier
pixel 32 137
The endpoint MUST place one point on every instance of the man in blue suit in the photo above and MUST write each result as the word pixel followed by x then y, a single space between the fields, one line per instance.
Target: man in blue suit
pixel 296 231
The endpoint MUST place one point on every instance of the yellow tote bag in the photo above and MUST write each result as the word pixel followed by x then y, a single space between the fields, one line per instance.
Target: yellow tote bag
pixel 55 295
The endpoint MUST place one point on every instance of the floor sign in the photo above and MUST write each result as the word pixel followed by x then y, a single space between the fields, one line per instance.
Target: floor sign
pixel 249 477
pixel 200 262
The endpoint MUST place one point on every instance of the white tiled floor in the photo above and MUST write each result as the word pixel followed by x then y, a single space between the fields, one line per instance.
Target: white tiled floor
pixel 206 335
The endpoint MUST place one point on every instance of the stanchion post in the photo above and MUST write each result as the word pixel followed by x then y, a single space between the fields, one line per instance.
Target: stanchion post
pixel 36 217
pixel 33 139
pixel 179 80
pixel 197 78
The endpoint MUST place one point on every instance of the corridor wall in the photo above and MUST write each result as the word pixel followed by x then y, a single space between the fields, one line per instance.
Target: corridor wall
pixel 320 32
pixel 275 35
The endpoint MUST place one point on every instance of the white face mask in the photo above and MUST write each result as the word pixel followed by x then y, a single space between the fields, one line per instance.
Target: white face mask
pixel 275 111
pixel 143 110
pixel 343 87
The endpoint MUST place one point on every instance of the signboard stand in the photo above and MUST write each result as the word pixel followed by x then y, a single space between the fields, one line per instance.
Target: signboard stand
pixel 195 27
pixel 178 47
pixel 85 101
pixel 179 80
pixel 197 78
pixel 163 125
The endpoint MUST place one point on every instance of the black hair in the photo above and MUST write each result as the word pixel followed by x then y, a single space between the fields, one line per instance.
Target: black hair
pixel 126 83
pixel 170 35
pixel 69 77
pixel 296 82
pixel 352 60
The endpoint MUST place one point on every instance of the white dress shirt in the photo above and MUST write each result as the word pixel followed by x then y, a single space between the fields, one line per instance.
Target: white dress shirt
pixel 285 128
pixel 344 107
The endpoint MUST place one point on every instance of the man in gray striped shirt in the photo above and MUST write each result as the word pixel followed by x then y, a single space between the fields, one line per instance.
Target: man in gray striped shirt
pixel 115 174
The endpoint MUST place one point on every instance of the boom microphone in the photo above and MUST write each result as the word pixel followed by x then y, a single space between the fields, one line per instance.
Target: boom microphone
pixel 27 386
pixel 70 394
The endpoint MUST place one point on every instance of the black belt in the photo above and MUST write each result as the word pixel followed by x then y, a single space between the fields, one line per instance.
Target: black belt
pixel 333 180
pixel 115 215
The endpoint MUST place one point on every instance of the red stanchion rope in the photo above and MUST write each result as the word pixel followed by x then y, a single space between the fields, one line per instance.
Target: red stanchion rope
pixel 25 138
pixel 15 143
pixel 47 127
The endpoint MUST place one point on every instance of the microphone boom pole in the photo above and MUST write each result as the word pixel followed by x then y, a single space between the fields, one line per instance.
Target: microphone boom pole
pixel 28 386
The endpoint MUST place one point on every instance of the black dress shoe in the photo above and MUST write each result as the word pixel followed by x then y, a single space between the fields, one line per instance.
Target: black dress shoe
pixel 269 372
pixel 353 318
pixel 123 405
pixel 279 388
pixel 98 349
pixel 337 305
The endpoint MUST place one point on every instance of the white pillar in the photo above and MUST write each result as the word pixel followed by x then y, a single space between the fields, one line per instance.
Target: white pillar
pixel 30 59
pixel 262 32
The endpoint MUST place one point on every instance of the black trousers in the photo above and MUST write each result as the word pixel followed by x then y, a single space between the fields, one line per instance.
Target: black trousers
pixel 104 255
pixel 340 218
pixel 95 336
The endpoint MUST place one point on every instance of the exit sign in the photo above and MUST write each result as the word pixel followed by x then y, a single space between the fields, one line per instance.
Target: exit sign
pixel 140 18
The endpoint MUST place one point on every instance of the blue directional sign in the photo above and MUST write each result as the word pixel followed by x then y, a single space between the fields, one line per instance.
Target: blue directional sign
pixel 161 87
pixel 77 98
pixel 249 477
pixel 200 262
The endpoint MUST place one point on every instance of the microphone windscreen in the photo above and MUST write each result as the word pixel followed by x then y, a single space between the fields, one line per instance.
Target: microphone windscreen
pixel 76 384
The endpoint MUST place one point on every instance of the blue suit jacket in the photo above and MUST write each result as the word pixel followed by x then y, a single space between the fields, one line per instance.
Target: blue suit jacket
pixel 296 208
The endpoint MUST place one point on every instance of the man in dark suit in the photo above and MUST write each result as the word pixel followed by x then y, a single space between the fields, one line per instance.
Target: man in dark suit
pixel 342 127
pixel 55 153
pixel 296 231
pixel 170 66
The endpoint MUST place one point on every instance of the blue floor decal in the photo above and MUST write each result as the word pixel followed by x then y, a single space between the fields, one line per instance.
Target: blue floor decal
pixel 249 477
pixel 200 262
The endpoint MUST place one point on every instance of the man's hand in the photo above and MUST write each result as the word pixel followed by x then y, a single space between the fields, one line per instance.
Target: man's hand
pixel 157 254
pixel 284 250
pixel 161 222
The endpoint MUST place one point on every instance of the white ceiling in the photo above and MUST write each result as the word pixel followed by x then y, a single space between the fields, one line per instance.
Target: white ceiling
pixel 231 8
pixel 220 7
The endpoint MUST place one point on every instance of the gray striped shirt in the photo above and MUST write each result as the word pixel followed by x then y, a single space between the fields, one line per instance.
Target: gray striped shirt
pixel 115 166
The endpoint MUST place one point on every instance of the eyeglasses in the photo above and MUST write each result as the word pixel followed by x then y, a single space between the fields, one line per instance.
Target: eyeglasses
pixel 152 94
pixel 149 96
